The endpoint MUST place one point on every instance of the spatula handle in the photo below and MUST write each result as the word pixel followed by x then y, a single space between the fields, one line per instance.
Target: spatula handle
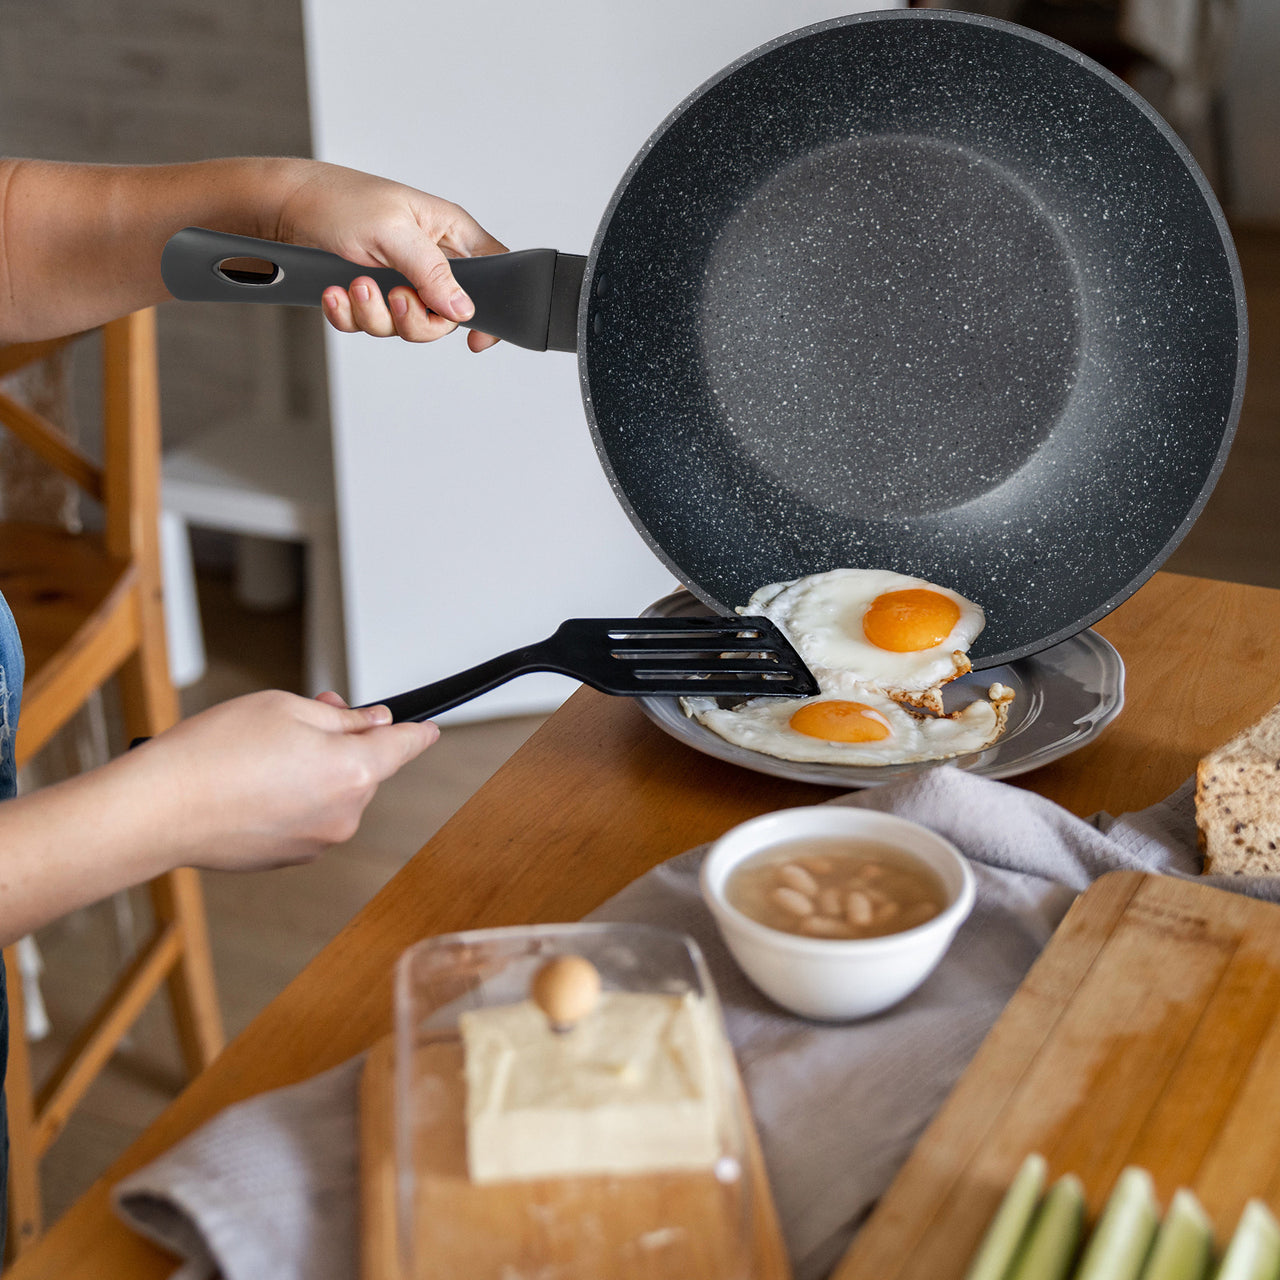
pixel 442 695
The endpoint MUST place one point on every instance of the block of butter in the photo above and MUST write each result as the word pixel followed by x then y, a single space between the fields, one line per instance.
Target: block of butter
pixel 634 1087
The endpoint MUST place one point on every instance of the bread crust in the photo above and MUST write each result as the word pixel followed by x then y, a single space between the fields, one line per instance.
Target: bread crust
pixel 1238 802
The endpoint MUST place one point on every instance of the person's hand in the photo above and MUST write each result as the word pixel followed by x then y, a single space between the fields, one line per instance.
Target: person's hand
pixel 379 223
pixel 272 778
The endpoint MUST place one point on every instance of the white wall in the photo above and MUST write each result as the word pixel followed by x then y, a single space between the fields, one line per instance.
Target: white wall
pixel 474 514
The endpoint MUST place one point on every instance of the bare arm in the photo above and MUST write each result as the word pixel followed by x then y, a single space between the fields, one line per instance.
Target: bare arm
pixel 265 780
pixel 71 844
pixel 80 244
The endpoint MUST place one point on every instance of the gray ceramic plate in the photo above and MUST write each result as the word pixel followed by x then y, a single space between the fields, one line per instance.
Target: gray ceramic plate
pixel 1064 697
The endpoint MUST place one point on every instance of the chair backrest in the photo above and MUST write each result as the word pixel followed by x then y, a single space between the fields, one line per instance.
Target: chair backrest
pixel 127 483
pixel 71 652
pixel 131 439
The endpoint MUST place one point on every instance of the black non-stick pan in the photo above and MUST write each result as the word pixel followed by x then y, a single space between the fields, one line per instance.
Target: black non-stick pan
pixel 912 290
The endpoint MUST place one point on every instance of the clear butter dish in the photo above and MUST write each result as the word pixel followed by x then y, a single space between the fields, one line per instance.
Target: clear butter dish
pixel 571 1179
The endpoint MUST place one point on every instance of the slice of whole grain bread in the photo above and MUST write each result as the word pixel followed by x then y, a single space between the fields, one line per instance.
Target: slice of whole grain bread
pixel 1238 802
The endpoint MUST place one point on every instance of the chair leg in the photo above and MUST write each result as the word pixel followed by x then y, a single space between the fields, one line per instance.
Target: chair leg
pixel 193 991
pixel 147 696
pixel 150 705
pixel 25 1212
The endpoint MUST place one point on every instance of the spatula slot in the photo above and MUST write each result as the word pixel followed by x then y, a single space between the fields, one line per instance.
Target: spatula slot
pixel 675 673
pixel 669 634
pixel 702 656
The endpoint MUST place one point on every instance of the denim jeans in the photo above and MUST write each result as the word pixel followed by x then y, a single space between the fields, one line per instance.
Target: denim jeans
pixel 11 671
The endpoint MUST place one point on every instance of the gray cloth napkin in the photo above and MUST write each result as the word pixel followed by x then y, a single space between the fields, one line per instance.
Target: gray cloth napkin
pixel 268 1187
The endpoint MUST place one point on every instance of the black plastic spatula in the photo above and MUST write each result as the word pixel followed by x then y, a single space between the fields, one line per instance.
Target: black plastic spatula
pixel 632 657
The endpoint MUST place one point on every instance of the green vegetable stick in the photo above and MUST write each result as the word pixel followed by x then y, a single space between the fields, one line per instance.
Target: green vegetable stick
pixel 1008 1227
pixel 1122 1238
pixel 1254 1251
pixel 1050 1246
pixel 1184 1243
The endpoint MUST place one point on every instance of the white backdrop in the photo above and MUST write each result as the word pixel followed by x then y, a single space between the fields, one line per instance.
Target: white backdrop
pixel 473 514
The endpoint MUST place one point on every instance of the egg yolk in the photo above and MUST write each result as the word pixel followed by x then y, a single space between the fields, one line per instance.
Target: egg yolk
pixel 907 621
pixel 840 722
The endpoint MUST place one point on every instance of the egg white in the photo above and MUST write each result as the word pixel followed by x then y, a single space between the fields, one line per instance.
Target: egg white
pixel 822 614
pixel 761 724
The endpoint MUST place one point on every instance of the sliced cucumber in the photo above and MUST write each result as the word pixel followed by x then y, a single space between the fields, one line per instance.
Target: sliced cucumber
pixel 1184 1243
pixel 1254 1251
pixel 1050 1246
pixel 1009 1226
pixel 1122 1238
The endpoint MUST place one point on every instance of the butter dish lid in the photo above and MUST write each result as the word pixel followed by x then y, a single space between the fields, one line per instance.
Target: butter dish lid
pixel 500 1173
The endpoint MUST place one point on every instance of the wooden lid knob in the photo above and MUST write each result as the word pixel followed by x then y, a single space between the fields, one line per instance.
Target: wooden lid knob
pixel 566 990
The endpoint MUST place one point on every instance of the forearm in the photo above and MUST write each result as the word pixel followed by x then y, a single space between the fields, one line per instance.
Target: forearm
pixel 265 780
pixel 68 845
pixel 81 244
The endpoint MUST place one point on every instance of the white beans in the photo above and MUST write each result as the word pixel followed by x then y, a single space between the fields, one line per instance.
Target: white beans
pixel 858 909
pixel 818 866
pixel 818 889
pixel 829 902
pixel 792 901
pixel 796 877
pixel 824 927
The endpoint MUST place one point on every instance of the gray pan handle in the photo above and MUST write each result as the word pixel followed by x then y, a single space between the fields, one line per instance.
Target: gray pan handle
pixel 529 298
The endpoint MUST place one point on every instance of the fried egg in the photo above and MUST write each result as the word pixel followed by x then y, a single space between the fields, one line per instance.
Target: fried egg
pixel 856 727
pixel 888 632
pixel 875 641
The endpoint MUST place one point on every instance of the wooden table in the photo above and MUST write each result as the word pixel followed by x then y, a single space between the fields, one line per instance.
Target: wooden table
pixel 599 795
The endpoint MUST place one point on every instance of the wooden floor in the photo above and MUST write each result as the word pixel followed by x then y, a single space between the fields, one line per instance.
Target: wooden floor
pixel 262 937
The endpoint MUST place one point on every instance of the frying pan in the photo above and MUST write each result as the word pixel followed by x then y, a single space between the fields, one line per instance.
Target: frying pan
pixel 916 290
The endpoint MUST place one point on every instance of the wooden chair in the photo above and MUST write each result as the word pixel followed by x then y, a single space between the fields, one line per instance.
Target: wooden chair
pixel 88 606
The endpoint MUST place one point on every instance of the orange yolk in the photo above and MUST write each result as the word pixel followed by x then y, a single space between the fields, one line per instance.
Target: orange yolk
pixel 840 722
pixel 907 621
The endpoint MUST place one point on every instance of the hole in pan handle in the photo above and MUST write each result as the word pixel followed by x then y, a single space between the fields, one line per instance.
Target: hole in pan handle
pixel 252 271
pixel 528 298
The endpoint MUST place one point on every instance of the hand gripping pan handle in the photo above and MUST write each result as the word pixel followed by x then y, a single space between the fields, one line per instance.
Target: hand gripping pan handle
pixel 529 298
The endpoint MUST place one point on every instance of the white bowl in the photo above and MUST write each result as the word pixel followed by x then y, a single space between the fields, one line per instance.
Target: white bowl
pixel 836 979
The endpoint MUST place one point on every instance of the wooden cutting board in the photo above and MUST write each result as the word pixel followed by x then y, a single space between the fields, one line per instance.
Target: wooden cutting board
pixel 1147 1033
pixel 480 1216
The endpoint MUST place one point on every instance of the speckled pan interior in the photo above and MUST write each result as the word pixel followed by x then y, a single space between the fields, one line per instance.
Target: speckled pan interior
pixel 920 291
